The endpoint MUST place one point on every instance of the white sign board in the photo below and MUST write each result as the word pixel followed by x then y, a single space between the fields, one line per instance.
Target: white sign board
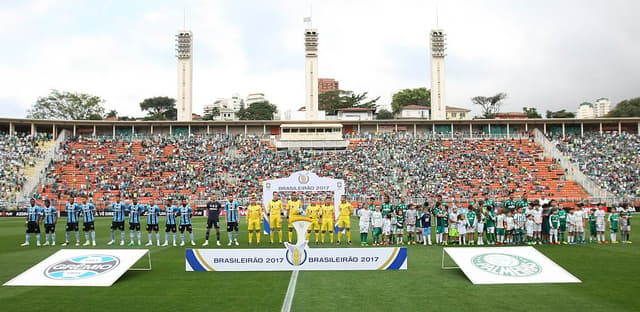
pixel 80 267
pixel 316 259
pixel 303 181
pixel 508 265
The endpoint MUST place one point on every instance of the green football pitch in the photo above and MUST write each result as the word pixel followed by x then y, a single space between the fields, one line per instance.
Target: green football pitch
pixel 609 275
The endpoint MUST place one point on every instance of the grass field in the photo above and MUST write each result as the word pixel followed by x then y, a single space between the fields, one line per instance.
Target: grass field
pixel 609 275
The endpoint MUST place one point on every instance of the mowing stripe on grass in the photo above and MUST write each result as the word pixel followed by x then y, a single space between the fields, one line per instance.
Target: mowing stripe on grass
pixel 291 290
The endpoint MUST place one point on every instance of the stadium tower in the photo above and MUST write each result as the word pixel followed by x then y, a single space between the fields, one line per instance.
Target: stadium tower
pixel 438 102
pixel 311 71
pixel 184 53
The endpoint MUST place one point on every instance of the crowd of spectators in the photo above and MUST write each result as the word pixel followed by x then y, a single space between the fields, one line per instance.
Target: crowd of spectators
pixel 17 152
pixel 610 159
pixel 219 165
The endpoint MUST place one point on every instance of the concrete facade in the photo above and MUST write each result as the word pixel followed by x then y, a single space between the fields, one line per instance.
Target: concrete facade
pixel 311 73
pixel 438 95
pixel 184 50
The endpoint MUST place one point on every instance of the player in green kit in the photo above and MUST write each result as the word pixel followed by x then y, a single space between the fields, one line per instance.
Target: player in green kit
pixel 372 204
pixel 386 207
pixel 510 204
pixel 441 221
pixel 613 224
pixel 562 216
pixel 490 218
pixel 593 238
pixel 554 224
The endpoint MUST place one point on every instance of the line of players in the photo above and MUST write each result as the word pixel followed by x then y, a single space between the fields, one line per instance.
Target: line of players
pixel 387 222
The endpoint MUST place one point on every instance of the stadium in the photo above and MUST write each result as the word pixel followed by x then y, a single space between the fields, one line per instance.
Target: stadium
pixel 327 208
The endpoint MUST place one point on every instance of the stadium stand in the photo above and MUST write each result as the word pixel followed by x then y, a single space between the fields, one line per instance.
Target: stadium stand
pixel 399 164
pixel 610 159
pixel 18 153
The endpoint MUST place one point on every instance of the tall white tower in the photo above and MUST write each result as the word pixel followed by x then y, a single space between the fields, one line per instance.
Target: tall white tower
pixel 184 53
pixel 311 72
pixel 438 100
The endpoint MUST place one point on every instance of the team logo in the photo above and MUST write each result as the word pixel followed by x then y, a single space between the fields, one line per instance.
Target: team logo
pixel 303 178
pixel 297 254
pixel 81 267
pixel 506 265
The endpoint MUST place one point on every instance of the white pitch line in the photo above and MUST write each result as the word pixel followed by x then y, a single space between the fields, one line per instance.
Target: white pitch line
pixel 291 290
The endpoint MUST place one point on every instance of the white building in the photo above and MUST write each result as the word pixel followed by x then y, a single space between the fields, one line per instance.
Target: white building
pixel 602 107
pixel 228 107
pixel 255 98
pixel 422 112
pixel 184 49
pixel 355 113
pixel 585 111
pixel 438 98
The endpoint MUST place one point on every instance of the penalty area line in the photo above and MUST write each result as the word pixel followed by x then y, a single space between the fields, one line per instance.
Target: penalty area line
pixel 291 290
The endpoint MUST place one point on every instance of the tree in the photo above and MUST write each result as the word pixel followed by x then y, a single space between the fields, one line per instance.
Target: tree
pixel 67 106
pixel 112 114
pixel 331 101
pixel 405 97
pixel 531 112
pixel 210 114
pixel 490 104
pixel 560 114
pixel 258 111
pixel 384 114
pixel 626 108
pixel 160 108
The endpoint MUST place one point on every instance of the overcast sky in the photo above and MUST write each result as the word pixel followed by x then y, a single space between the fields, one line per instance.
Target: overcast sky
pixel 550 54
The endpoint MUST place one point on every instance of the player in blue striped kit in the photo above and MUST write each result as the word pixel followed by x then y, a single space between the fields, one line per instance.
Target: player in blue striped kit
pixel 119 208
pixel 73 214
pixel 185 212
pixel 33 222
pixel 88 219
pixel 50 219
pixel 231 208
pixel 170 223
pixel 153 216
pixel 135 211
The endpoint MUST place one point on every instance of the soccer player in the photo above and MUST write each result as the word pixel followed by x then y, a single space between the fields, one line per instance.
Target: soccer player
pixel 88 219
pixel 593 237
pixel 472 220
pixel 73 212
pixel 490 217
pixel 562 216
pixel 630 209
pixel 344 221
pixel 294 209
pixel 153 224
pixel 119 208
pixel 328 219
pixel 554 225
pixel 231 209
pixel 254 216
pixel 274 212
pixel 613 224
pixel 510 204
pixel 135 210
pixel 50 219
pixel 185 211
pixel 213 220
pixel 386 228
pixel 441 222
pixel 33 222
pixel 365 224
pixel 400 221
pixel 600 224
pixel 376 220
pixel 372 204
pixel 624 223
pixel 425 224
pixel 411 218
pixel 170 223
pixel 313 212
pixel 386 207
